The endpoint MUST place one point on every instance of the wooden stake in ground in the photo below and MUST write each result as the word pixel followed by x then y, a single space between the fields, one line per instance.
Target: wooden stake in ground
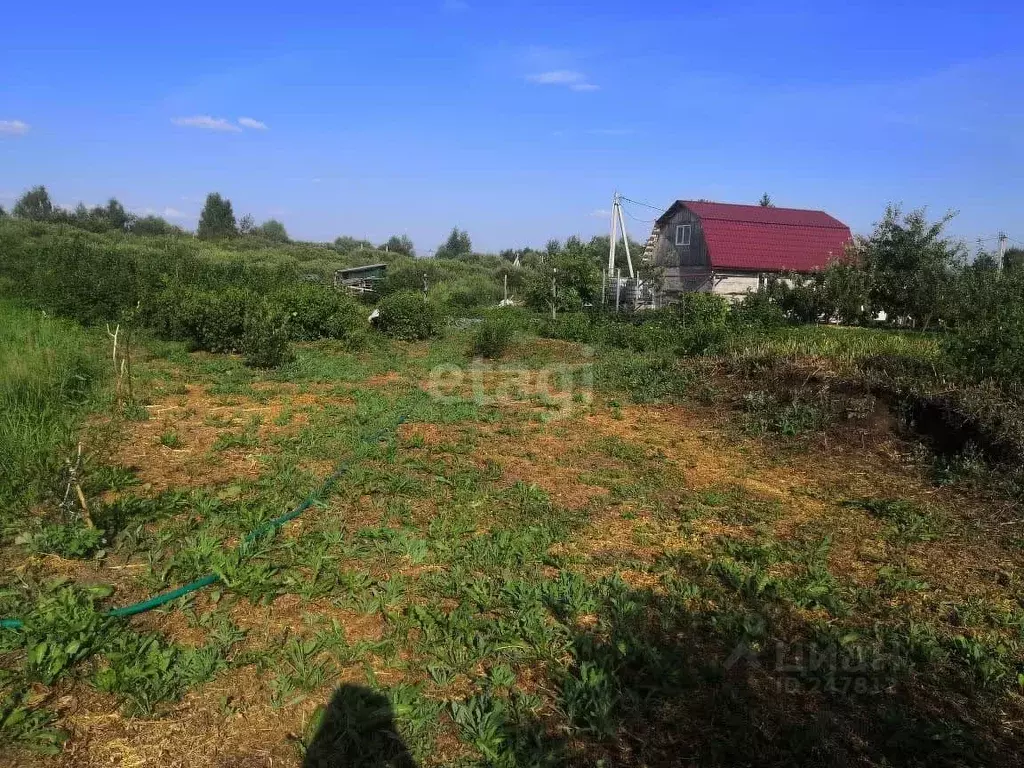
pixel 72 471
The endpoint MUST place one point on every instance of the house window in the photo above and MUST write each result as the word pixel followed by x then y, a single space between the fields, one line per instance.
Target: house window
pixel 683 234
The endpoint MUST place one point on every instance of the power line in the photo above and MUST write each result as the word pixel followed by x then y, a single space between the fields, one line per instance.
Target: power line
pixel 642 221
pixel 639 202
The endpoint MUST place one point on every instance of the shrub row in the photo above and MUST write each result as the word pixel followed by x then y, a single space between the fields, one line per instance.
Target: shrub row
pixel 697 324
pixel 235 319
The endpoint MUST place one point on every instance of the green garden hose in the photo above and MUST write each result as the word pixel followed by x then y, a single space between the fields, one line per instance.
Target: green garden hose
pixel 165 597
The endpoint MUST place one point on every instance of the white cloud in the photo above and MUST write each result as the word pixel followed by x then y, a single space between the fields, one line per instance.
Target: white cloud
pixel 249 122
pixel 166 213
pixel 600 213
pixel 13 127
pixel 569 78
pixel 207 122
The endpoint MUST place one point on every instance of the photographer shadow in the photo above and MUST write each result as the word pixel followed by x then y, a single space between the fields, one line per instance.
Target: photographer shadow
pixel 357 730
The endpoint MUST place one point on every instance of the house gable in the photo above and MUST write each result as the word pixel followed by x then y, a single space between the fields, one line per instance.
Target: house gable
pixel 751 238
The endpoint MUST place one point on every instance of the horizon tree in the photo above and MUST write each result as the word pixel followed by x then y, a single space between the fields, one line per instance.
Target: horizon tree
pixel 399 244
pixel 217 219
pixel 458 244
pixel 34 205
pixel 766 201
pixel 272 229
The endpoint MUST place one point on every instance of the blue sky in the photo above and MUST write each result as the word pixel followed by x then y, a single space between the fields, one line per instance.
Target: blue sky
pixel 515 120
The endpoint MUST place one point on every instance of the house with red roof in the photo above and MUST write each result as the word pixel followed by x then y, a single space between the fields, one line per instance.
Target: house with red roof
pixel 732 249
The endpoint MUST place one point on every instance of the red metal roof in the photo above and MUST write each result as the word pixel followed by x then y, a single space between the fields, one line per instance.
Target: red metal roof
pixel 758 238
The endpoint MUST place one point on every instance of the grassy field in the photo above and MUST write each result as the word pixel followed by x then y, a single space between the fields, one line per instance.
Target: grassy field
pixel 519 566
pixel 48 369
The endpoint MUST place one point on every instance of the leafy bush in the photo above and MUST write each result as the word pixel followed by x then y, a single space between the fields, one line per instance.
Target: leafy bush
pixel 703 320
pixel 265 340
pixel 408 316
pixel 75 541
pixel 214 321
pixel 317 312
pixel 757 312
pixel 494 334
pixel 989 338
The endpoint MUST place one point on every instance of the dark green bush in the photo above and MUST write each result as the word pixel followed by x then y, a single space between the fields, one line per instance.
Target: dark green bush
pixel 494 334
pixel 989 339
pixel 318 312
pixel 408 316
pixel 703 321
pixel 210 320
pixel 757 312
pixel 265 340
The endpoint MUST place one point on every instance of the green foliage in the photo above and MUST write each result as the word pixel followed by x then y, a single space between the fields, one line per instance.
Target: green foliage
pixel 265 340
pixel 34 205
pixel 317 312
pixel 703 321
pixel 154 226
pixel 911 266
pixel 217 220
pixel 907 522
pixel 144 670
pixel 73 541
pixel 569 326
pixel 458 245
pixel 347 244
pixel 756 312
pixel 62 628
pixel 272 230
pixel 48 370
pixel 212 320
pixel 1013 259
pixel 70 272
pixel 989 338
pixel 493 336
pixel 26 726
pixel 110 218
pixel 401 244
pixel 766 413
pixel 646 378
pixel 568 279
pixel 408 316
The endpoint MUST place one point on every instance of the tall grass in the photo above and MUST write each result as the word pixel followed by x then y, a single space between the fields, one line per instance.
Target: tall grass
pixel 839 344
pixel 48 372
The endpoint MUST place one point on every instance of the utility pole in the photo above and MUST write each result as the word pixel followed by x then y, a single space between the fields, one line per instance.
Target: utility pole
pixel 618 224
pixel 1002 249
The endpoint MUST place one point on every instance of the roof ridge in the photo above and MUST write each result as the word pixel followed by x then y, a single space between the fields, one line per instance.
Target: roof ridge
pixel 837 225
pixel 757 205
